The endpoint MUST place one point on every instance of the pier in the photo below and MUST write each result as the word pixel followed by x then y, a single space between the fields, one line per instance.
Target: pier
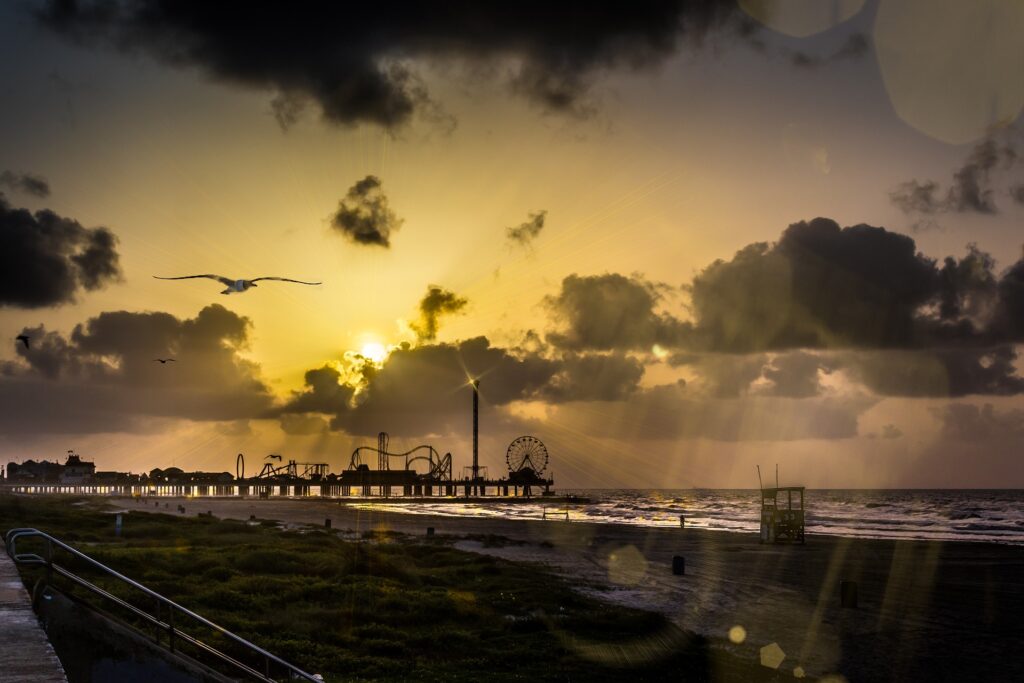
pixel 420 473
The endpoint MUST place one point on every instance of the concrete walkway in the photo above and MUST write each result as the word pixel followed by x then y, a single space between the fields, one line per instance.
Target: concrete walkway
pixel 25 652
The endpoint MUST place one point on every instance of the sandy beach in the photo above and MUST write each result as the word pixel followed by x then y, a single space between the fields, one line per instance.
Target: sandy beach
pixel 926 610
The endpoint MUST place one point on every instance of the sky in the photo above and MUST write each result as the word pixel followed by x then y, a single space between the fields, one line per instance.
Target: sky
pixel 672 241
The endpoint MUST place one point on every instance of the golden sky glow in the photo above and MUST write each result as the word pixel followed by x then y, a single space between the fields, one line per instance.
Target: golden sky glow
pixel 675 167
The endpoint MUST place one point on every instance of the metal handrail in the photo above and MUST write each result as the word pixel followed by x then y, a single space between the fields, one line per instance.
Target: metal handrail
pixel 11 539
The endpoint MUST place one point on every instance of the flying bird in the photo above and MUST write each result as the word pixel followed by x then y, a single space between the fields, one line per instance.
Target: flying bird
pixel 164 361
pixel 272 457
pixel 23 338
pixel 234 286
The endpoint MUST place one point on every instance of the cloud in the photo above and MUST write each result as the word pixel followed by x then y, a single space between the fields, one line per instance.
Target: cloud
pixel 46 259
pixel 672 411
pixel 593 377
pixel 1017 192
pixel 611 312
pixel 364 216
pixel 911 326
pixel 795 375
pixel 891 431
pixel 433 305
pixel 951 372
pixel 855 47
pixel 972 189
pixel 967 288
pixel 1008 319
pixel 524 233
pixel 27 183
pixel 422 390
pixel 973 424
pixel 825 287
pixel 102 377
pixel 722 375
pixel 356 62
pixel 819 286
pixel 303 425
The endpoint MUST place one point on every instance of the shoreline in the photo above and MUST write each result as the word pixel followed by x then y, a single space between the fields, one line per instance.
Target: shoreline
pixel 926 608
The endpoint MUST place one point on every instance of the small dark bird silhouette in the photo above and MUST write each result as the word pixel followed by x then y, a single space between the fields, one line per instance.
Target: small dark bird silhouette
pixel 23 338
pixel 164 361
pixel 273 457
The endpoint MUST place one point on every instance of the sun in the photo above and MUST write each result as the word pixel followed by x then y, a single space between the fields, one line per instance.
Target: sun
pixel 374 351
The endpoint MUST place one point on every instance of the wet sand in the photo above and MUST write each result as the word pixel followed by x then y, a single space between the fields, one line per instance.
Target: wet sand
pixel 927 610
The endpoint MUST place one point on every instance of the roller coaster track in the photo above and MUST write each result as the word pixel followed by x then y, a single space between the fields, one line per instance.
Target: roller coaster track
pixel 440 465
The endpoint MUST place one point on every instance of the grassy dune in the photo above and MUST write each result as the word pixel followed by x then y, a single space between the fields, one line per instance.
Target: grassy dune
pixel 378 606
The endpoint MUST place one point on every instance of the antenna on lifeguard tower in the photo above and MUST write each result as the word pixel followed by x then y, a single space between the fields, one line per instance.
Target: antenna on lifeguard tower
pixel 776 475
pixel 759 484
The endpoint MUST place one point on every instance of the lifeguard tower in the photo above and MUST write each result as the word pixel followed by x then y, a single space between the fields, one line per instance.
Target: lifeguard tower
pixel 782 512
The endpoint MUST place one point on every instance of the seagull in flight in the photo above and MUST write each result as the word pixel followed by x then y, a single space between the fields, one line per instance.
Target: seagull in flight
pixel 234 286
pixel 23 338
pixel 272 457
pixel 164 361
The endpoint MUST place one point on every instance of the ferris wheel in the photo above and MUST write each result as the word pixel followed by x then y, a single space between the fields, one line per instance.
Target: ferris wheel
pixel 527 452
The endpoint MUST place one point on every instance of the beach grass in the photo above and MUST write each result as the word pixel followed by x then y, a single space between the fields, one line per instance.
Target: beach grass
pixel 378 606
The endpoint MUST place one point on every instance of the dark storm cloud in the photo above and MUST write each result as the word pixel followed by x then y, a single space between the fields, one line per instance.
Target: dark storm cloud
pixel 1017 192
pixel 352 59
pixel 1008 321
pixel 524 233
pixel 938 372
pixel 364 215
pixel 107 363
pixel 795 375
pixel 972 189
pixel 46 259
pixel 303 425
pixel 967 287
pixel 422 390
pixel 593 377
pixel 819 286
pixel 971 423
pixel 27 183
pixel 822 286
pixel 425 389
pixel 611 312
pixel 436 303
pixel 722 375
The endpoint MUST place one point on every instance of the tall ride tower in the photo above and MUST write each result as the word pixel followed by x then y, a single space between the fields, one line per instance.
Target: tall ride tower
pixel 476 432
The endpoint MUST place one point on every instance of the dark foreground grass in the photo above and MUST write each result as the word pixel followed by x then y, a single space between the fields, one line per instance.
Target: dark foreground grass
pixel 388 608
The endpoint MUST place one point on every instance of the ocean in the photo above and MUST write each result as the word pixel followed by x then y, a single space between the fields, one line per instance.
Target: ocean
pixel 941 515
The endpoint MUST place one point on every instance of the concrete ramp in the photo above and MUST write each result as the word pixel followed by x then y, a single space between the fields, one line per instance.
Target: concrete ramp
pixel 25 652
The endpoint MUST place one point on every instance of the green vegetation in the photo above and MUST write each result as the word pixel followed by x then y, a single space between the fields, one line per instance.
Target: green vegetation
pixel 384 608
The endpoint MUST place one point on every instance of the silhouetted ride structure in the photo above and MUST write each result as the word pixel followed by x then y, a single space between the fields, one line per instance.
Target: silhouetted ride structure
pixel 420 472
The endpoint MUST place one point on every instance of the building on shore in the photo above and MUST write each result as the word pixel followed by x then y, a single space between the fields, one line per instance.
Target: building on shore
pixel 73 471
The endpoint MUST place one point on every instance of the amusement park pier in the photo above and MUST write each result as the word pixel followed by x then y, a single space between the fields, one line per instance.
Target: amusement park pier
pixel 420 473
